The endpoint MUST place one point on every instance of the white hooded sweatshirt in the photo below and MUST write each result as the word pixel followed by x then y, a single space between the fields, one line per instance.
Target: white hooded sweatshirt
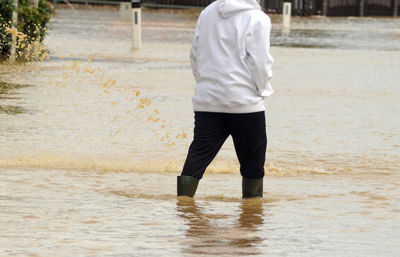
pixel 230 57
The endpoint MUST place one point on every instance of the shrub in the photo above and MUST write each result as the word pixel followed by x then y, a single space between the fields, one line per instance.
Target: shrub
pixel 31 28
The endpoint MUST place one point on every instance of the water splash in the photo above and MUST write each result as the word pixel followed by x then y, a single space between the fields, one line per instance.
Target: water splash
pixel 26 49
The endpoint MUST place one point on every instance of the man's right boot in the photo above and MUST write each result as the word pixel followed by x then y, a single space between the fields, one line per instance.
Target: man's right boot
pixel 252 188
pixel 187 185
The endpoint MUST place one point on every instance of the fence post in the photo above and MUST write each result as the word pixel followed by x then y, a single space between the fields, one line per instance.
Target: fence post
pixel 136 25
pixel 286 14
pixel 325 7
pixel 35 50
pixel 262 5
pixel 362 3
pixel 125 11
pixel 395 9
pixel 14 24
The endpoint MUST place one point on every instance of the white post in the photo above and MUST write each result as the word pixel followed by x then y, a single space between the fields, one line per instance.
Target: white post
pixel 125 11
pixel 136 25
pixel 14 24
pixel 286 14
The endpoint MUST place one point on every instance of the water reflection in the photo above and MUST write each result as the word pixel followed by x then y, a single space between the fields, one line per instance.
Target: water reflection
pixel 8 91
pixel 251 219
pixel 285 32
pixel 12 110
pixel 212 234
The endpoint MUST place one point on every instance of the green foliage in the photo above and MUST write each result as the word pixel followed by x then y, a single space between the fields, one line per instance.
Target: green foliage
pixel 5 21
pixel 32 25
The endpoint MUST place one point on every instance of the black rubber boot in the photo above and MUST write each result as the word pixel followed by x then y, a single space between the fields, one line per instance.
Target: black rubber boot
pixel 252 187
pixel 187 185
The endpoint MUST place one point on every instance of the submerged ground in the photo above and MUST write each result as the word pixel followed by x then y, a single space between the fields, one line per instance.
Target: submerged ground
pixel 91 141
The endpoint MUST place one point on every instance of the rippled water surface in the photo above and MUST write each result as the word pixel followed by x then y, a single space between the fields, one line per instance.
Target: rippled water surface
pixel 92 139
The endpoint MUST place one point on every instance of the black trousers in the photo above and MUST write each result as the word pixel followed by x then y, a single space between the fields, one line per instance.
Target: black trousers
pixel 211 129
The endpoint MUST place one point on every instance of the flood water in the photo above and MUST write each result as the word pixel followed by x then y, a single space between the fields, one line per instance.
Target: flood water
pixel 92 139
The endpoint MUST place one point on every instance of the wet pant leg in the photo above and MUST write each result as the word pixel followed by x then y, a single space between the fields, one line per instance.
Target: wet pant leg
pixel 210 132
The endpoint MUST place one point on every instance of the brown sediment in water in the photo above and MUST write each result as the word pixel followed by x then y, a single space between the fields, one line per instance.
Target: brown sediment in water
pixel 86 172
pixel 140 164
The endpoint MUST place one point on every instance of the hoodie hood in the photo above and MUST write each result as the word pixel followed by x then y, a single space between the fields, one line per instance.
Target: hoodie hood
pixel 228 8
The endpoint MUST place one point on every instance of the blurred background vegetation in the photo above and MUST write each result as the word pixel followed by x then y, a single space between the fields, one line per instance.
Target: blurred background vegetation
pixel 30 30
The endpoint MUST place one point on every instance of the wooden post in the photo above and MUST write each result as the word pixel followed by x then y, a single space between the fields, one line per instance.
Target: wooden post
pixel 325 7
pixel 395 9
pixel 362 3
pixel 14 24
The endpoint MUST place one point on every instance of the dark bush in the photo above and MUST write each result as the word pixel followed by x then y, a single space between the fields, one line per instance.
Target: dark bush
pixel 31 28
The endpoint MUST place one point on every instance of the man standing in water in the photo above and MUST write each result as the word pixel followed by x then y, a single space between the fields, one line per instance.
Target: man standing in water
pixel 231 64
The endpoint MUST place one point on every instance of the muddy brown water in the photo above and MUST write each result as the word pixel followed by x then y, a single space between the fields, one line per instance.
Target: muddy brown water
pixel 92 139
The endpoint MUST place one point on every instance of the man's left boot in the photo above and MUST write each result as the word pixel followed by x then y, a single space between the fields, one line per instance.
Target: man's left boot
pixel 252 188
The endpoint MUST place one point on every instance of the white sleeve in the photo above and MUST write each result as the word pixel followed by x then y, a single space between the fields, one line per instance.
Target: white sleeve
pixel 193 51
pixel 259 58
